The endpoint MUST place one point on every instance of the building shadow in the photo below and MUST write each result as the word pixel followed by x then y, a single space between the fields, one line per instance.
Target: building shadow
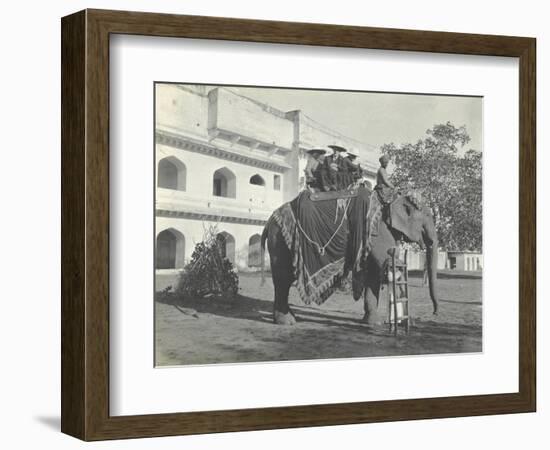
pixel 249 308
pixel 459 302
pixel 449 274
pixel 447 328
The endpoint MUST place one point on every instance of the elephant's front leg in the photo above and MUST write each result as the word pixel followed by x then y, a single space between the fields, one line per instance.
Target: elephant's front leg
pixel 282 314
pixel 374 314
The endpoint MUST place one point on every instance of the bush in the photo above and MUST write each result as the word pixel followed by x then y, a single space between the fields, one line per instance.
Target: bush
pixel 208 273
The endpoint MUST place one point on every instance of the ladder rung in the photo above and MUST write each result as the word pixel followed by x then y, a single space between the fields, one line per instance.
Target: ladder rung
pixel 402 267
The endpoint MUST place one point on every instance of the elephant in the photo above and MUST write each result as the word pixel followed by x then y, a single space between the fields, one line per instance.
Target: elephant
pixel 405 220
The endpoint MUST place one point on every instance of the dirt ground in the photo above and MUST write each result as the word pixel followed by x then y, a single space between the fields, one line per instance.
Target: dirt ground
pixel 205 331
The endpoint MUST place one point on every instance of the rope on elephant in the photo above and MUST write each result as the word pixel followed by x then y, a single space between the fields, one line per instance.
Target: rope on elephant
pixel 324 239
pixel 321 248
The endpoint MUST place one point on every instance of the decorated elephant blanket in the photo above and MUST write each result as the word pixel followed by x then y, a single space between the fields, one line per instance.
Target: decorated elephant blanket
pixel 326 238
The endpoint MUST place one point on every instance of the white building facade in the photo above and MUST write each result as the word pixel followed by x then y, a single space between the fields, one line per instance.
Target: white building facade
pixel 227 161
pixel 465 261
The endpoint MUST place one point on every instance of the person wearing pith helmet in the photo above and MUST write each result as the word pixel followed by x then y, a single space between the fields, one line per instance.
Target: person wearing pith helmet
pixel 354 169
pixel 312 171
pixel 330 170
pixel 339 166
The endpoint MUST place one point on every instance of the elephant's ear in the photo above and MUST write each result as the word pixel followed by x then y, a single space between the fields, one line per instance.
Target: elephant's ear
pixel 406 218
pixel 416 199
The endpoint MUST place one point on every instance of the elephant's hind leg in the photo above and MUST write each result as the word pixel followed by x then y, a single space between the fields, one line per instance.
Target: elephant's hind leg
pixel 282 314
pixel 281 273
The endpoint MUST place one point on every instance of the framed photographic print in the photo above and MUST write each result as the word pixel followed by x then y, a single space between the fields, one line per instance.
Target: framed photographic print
pixel 270 224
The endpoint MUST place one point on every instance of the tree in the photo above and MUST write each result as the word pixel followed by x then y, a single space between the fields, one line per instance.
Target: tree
pixel 449 182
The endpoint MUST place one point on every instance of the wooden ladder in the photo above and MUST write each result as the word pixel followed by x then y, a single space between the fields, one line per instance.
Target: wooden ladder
pixel 399 277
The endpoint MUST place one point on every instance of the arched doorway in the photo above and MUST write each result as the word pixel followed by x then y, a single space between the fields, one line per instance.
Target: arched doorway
pixel 227 245
pixel 254 251
pixel 224 183
pixel 172 174
pixel 170 250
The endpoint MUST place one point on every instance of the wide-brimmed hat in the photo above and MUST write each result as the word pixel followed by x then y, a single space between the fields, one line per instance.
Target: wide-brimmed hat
pixel 352 154
pixel 337 148
pixel 319 151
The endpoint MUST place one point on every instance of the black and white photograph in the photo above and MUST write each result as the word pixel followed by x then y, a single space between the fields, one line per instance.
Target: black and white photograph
pixel 300 224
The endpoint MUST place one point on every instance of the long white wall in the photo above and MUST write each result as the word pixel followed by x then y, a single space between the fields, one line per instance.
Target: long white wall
pixel 194 232
pixel 200 168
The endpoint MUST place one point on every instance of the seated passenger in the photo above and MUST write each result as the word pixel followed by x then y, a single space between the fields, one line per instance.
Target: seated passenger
pixel 330 169
pixel 313 170
pixel 354 171
pixel 340 167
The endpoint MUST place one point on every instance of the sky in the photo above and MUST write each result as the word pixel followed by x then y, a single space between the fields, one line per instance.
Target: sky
pixel 377 118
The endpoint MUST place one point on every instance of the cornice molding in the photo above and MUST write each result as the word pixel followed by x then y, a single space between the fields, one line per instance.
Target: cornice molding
pixel 208 217
pixel 173 140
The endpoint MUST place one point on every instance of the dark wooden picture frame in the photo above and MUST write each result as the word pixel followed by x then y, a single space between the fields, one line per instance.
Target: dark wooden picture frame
pixel 85 224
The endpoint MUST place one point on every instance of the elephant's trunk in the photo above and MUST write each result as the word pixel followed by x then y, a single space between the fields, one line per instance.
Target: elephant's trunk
pixel 432 254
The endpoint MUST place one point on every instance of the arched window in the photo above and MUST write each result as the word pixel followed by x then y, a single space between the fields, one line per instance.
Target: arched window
pixel 254 251
pixel 172 174
pixel 170 250
pixel 257 180
pixel 227 245
pixel 224 183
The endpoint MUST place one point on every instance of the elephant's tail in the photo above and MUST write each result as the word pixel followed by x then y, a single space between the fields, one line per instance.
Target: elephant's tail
pixel 262 251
